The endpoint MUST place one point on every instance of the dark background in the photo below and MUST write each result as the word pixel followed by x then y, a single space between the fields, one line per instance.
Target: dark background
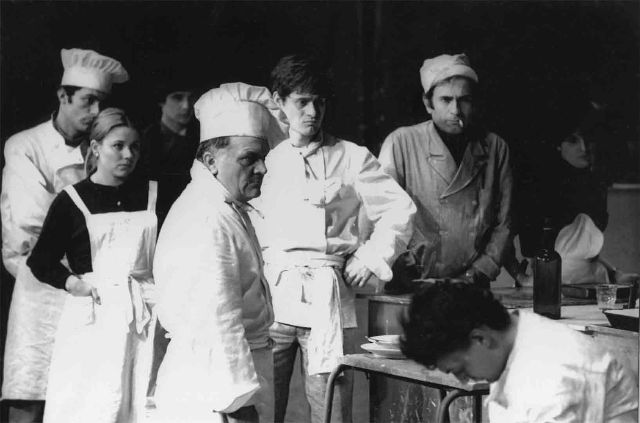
pixel 538 62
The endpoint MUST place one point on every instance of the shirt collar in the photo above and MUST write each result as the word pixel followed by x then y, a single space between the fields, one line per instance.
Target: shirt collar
pixel 200 174
pixel 70 141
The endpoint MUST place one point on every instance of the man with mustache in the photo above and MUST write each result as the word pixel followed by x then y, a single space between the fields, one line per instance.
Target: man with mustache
pixel 39 163
pixel 213 298
pixel 459 176
pixel 317 193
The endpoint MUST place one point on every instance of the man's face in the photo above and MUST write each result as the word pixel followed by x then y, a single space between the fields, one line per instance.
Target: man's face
pixel 304 112
pixel 178 107
pixel 451 103
pixel 81 108
pixel 240 166
pixel 575 152
pixel 478 362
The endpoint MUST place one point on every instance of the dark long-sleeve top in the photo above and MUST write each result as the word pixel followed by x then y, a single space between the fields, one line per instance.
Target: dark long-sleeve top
pixel 559 194
pixel 64 231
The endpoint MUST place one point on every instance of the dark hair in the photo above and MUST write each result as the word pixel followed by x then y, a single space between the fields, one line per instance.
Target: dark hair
pixel 300 73
pixel 70 90
pixel 210 145
pixel 105 122
pixel 441 317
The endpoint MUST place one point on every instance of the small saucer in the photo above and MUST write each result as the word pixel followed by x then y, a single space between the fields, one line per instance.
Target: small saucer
pixel 383 351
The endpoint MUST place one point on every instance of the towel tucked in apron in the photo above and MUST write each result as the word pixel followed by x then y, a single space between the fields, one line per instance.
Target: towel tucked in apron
pixel 316 297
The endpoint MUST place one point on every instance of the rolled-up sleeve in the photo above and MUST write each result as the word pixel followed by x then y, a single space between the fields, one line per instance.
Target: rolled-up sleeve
pixel 390 211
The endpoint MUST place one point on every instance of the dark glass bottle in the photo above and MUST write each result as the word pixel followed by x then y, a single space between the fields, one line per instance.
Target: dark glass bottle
pixel 547 275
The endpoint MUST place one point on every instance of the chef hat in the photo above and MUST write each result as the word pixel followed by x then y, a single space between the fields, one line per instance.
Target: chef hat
pixel 445 66
pixel 88 69
pixel 239 109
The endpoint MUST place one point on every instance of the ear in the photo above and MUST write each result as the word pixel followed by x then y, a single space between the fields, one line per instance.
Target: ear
pixel 279 100
pixel 62 96
pixel 427 103
pixel 210 161
pixel 481 337
pixel 94 146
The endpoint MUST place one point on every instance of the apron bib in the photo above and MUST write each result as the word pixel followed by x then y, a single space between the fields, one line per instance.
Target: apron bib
pixel 102 355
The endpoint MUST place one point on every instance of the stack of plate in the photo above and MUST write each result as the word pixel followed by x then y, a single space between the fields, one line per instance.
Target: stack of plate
pixel 384 346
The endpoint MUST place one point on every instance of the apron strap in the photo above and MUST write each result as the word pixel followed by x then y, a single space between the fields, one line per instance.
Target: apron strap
pixel 153 195
pixel 71 191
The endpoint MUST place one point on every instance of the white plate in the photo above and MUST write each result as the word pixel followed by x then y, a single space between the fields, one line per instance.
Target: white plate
pixel 383 351
pixel 386 340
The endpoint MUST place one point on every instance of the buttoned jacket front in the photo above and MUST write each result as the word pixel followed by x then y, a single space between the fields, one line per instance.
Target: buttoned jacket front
pixel 463 216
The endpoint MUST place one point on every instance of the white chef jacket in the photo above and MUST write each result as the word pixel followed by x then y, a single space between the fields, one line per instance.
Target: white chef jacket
pixel 38 165
pixel 212 299
pixel 313 200
pixel 557 374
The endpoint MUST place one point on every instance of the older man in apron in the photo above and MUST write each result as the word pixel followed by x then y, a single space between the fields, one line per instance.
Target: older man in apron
pixel 39 163
pixel 213 298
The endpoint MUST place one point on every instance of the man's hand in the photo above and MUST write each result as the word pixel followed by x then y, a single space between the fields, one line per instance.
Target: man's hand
pixel 247 414
pixel 356 273
pixel 79 288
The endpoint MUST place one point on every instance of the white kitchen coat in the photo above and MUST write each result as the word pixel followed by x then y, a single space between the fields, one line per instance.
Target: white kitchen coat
pixel 214 301
pixel 38 165
pixel 557 374
pixel 102 356
pixel 314 201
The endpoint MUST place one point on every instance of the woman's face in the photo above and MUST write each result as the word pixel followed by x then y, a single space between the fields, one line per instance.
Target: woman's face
pixel 117 154
pixel 574 151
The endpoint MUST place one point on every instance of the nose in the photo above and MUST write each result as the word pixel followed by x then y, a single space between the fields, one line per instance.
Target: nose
pixel 95 108
pixel 261 168
pixel 582 146
pixel 455 107
pixel 311 109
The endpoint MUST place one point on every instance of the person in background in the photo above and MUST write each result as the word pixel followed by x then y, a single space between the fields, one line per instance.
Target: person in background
pixel 317 189
pixel 213 298
pixel 168 150
pixel 39 163
pixel 105 226
pixel 569 197
pixel 170 145
pixel 459 176
pixel 540 370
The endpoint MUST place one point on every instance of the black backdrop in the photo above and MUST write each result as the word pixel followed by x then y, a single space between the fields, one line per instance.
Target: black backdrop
pixel 536 60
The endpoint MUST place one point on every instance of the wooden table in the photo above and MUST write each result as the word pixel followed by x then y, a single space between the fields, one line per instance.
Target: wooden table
pixel 450 387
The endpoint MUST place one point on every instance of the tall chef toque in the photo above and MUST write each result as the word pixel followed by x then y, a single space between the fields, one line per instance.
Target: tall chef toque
pixel 88 69
pixel 239 109
pixel 445 66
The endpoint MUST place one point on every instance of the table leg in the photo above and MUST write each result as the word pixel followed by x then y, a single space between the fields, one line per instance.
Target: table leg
pixel 328 398
pixel 442 412
pixel 477 408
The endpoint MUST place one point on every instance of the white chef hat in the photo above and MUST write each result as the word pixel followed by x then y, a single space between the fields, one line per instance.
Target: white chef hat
pixel 445 66
pixel 88 69
pixel 239 109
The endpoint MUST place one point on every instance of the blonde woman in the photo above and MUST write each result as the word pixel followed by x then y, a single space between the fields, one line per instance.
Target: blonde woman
pixel 106 228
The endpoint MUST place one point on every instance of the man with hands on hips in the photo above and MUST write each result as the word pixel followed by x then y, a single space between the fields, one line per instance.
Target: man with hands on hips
pixel 317 191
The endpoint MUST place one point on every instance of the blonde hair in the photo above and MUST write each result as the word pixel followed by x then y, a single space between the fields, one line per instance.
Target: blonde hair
pixel 105 122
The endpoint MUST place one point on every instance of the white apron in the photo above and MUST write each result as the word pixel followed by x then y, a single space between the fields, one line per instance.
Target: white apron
pixel 35 306
pixel 102 354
